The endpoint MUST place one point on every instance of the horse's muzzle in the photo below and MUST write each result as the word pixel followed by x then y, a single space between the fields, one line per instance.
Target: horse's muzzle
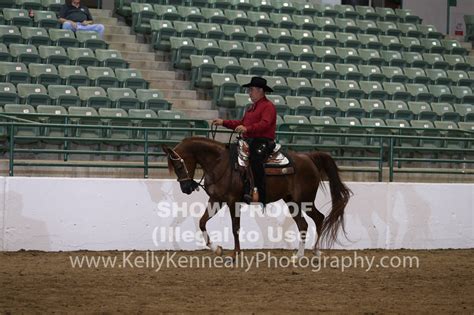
pixel 188 186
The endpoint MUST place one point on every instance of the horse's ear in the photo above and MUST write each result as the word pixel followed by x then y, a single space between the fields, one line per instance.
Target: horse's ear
pixel 166 149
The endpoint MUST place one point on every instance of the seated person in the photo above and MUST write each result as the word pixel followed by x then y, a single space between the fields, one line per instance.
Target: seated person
pixel 75 16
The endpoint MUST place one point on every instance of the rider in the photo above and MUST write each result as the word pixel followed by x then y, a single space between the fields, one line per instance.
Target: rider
pixel 258 127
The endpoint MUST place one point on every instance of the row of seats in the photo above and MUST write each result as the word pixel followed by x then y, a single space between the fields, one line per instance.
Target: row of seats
pixel 23 17
pixel 372 108
pixel 226 85
pixel 95 97
pixel 56 37
pixel 143 12
pixel 352 127
pixel 47 74
pixel 183 48
pixel 55 114
pixel 162 30
pixel 203 66
pixel 52 5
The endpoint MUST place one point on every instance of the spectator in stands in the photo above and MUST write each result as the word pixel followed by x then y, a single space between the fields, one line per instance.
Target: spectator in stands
pixel 76 16
pixel 258 127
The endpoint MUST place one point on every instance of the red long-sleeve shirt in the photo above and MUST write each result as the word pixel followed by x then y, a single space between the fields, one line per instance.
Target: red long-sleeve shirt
pixel 259 119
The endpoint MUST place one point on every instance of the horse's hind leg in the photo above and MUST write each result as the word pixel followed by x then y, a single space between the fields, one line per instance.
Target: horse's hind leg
pixel 318 219
pixel 303 228
pixel 208 214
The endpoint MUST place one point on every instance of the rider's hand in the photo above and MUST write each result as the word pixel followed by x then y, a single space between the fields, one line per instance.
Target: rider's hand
pixel 241 129
pixel 218 122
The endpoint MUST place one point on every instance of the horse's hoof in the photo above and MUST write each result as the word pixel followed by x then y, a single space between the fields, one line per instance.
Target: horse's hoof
pixel 219 251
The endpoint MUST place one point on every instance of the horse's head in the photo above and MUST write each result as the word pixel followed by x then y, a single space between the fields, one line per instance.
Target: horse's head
pixel 185 178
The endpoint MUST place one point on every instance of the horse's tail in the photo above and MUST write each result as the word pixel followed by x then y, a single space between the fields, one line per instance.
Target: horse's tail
pixel 340 195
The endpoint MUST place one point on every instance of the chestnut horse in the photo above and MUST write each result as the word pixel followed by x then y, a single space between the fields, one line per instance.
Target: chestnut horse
pixel 225 184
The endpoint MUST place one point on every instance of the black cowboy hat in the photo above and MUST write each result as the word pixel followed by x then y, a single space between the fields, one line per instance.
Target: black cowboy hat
pixel 260 83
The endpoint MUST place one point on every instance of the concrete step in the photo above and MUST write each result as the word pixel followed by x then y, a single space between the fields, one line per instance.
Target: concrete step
pixel 100 13
pixel 170 84
pixel 160 75
pixel 142 56
pixel 178 94
pixel 150 65
pixel 111 38
pixel 133 47
pixel 200 113
pixel 107 21
pixel 191 104
pixel 117 30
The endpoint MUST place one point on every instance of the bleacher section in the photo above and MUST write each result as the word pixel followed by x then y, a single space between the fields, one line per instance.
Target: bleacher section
pixel 353 81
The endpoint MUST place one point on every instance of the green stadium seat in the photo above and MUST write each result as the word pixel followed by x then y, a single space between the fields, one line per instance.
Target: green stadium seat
pixel 214 15
pixel 389 28
pixel 441 93
pixel 349 126
pixel 244 5
pixel 300 105
pixel 302 69
pixel 166 12
pixel 14 72
pixel 303 53
pixel 63 38
pixel 8 94
pixel 374 126
pixel 35 36
pixel 325 88
pixel 142 13
pixel 463 94
pixel 412 44
pixel 325 70
pixel 407 16
pixel 409 30
pixel 29 4
pixel 174 120
pixel 262 6
pixel 237 17
pixel 103 77
pixel 228 65
pixel 90 39
pixel 224 88
pixel 396 91
pixel 393 58
pixel 422 111
pixel 282 108
pixel 327 10
pixel 370 41
pixel 64 95
pixel 305 22
pixel 467 126
pixel 371 73
pixel 258 34
pixel 326 38
pixel 86 116
pixel 253 66
pixel 243 79
pixel 394 74
pixel 399 110
pixel 278 67
pixel 207 47
pixel 432 45
pixel 417 75
pixel 218 4
pixel 375 109
pixel 326 54
pixel 235 33
pixel 17 17
pixel 131 78
pixel 82 57
pixel 348 40
pixel 146 118
pixel 110 58
pixel 414 59
pixel 152 99
pixel 9 34
pixel 123 98
pixel 386 14
pixel 33 94
pixel 326 24
pixel 114 117
pixel 31 130
pixel 349 55
pixel 435 61
pixel 284 6
pixel 186 29
pixel 161 32
pixel 201 69
pixel 181 50
pixel 349 72
pixel 280 51
pixel 281 35
pixel 451 129
pixel 46 19
pixel 50 111
pixel 326 106
pixel 44 74
pixel 232 48
pixel 53 5
pixel 453 47
pixel 349 89
pixel 282 20
pixel 73 75
pixel 419 92
pixel 350 107
pixel 326 124
pixel 260 19
pixel 211 31
pixel 300 124
pixel 301 87
pixel 94 96
pixel 466 111
pixel 371 57
pixel 25 53
pixel 346 11
pixel 445 112
pixel 402 127
pixel 425 128
pixel 457 62
pixel 373 90
pixel 4 53
pixel 368 27
pixel 279 85
pixel 429 31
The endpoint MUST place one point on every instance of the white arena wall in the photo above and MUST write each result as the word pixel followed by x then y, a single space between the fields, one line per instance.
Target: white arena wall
pixel 68 214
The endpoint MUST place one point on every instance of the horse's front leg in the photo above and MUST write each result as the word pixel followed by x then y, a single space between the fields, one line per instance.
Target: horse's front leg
pixel 235 216
pixel 212 207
